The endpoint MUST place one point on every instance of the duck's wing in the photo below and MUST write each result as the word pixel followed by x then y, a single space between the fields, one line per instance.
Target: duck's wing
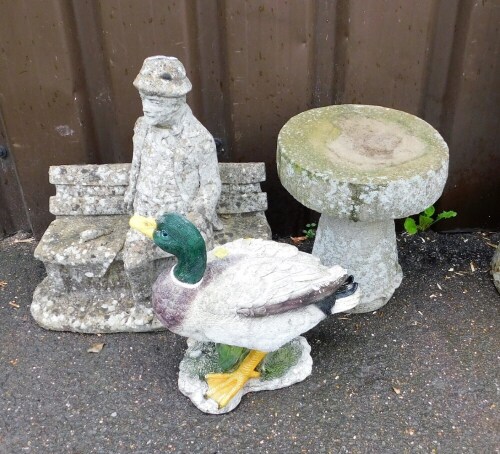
pixel 268 278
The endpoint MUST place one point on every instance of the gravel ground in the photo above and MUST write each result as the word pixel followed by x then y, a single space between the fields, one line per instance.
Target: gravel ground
pixel 419 375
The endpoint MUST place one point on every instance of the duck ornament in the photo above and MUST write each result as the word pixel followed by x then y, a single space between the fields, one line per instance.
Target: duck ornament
pixel 243 307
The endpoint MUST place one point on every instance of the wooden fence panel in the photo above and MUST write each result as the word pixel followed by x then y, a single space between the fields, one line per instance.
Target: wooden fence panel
pixel 67 67
pixel 43 97
pixel 471 117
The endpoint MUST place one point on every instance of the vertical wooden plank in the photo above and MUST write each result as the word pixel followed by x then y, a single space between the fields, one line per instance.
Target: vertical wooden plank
pixel 12 208
pixel 135 30
pixel 43 97
pixel 96 72
pixel 324 52
pixel 210 61
pixel 439 61
pixel 387 51
pixel 270 78
pixel 471 118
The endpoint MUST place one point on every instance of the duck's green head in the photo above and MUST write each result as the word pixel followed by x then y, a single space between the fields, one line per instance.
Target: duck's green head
pixel 174 234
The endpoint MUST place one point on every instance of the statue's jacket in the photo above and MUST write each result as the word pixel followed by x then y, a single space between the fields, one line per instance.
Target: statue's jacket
pixel 176 169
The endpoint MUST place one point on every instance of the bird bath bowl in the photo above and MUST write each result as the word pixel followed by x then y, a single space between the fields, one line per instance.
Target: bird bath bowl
pixel 362 167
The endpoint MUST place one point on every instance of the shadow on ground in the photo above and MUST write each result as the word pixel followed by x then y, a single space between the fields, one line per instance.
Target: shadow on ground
pixel 417 376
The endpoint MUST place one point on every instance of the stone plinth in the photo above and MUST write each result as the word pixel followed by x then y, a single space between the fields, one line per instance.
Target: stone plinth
pixel 200 359
pixel 362 167
pixel 86 288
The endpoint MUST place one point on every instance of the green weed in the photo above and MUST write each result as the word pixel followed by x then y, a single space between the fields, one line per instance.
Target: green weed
pixel 425 220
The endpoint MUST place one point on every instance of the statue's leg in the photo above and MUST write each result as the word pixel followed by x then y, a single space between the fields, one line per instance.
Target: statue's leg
pixel 138 262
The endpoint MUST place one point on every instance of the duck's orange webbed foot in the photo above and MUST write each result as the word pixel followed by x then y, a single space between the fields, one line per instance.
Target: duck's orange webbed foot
pixel 223 387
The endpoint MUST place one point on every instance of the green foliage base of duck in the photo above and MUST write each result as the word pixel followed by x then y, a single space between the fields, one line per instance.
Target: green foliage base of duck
pixel 284 367
pixel 221 358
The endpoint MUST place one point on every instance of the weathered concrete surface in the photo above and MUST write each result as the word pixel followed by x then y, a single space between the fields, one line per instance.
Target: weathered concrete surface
pixel 399 168
pixel 437 346
pixel 244 225
pixel 361 167
pixel 86 289
pixel 242 173
pixel 242 202
pixel 90 175
pixel 88 190
pixel 373 261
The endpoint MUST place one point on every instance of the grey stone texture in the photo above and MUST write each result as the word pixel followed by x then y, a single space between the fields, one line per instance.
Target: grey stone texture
pixel 174 167
pixel 242 225
pixel 90 175
pixel 361 167
pixel 242 173
pixel 495 268
pixel 89 189
pixel 242 202
pixel 195 388
pixel 86 288
pixel 96 190
pixel 100 272
pixel 373 260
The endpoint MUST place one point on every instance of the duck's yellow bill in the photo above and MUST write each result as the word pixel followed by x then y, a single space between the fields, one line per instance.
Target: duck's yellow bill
pixel 146 226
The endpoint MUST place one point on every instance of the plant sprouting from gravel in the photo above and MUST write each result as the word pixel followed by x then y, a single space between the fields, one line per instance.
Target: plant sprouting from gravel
pixel 426 219
pixel 310 231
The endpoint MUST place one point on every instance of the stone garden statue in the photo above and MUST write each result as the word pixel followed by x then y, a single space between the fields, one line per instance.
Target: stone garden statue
pixel 99 273
pixel 174 166
pixel 243 307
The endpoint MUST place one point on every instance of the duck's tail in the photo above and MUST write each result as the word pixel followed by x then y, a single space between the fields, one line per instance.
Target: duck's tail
pixel 345 298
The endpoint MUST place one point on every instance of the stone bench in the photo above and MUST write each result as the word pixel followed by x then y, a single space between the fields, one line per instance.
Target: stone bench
pixel 86 288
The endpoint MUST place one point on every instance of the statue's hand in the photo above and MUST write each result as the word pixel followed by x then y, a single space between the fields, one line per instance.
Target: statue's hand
pixel 198 220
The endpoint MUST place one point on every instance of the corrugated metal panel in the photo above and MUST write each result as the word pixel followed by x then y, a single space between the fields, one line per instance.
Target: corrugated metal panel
pixel 66 72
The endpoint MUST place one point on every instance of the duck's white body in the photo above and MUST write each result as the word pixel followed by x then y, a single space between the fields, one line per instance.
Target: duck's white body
pixel 244 282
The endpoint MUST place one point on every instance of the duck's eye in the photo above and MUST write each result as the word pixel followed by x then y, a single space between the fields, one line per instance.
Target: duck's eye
pixel 164 234
pixel 166 76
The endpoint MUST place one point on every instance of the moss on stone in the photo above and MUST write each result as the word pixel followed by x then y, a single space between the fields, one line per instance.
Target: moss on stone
pixel 301 143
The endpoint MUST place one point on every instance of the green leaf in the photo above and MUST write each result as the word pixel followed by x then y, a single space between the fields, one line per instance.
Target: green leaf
pixel 446 215
pixel 430 211
pixel 410 226
pixel 424 222
pixel 230 356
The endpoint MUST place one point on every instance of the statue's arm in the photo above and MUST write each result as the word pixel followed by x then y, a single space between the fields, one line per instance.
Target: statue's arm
pixel 206 199
pixel 138 140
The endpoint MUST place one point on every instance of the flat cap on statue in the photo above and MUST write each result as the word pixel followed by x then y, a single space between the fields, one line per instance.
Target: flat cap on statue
pixel 163 76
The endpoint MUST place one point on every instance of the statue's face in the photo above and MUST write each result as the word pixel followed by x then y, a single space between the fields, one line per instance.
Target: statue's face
pixel 161 111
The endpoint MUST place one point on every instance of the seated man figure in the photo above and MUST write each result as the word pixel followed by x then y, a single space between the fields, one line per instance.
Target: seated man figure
pixel 174 167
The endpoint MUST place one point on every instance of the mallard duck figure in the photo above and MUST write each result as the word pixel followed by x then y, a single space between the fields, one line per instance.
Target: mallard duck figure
pixel 250 293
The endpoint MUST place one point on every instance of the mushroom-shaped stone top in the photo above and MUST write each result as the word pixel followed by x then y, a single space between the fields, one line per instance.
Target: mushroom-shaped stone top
pixel 363 163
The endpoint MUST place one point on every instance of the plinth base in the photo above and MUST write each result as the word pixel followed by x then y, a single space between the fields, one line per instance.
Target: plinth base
pixel 199 360
pixel 105 311
pixel 367 250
